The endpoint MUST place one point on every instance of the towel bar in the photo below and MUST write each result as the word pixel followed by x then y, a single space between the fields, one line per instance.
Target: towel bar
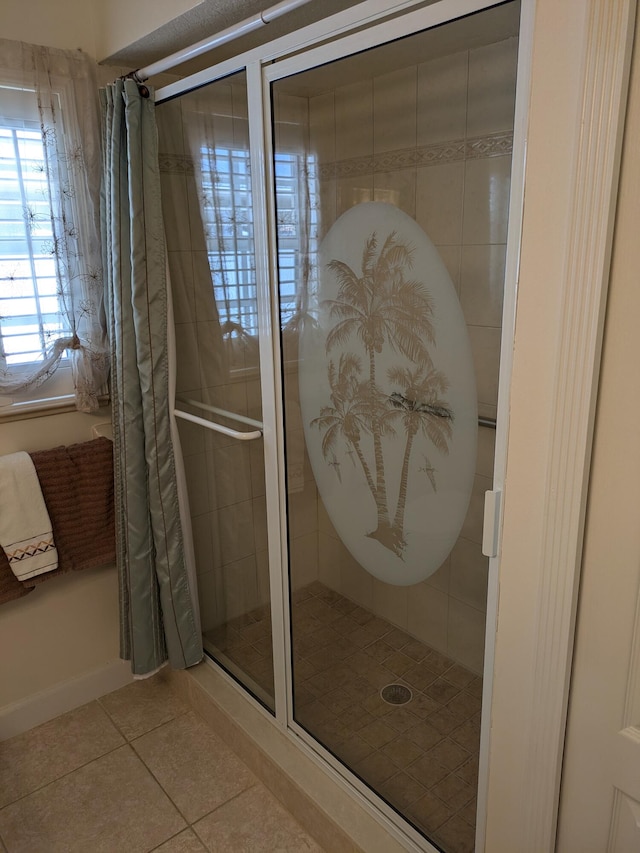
pixel 232 433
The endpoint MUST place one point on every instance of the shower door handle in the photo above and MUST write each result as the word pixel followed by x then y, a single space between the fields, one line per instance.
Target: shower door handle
pixel 491 523
pixel 232 433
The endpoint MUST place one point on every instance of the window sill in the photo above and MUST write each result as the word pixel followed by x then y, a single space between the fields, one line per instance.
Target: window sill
pixel 42 408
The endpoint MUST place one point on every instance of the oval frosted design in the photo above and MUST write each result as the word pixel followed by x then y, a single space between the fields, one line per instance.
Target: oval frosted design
pixel 387 394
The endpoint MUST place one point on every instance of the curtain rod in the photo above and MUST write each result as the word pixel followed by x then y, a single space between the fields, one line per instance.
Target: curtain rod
pixel 260 19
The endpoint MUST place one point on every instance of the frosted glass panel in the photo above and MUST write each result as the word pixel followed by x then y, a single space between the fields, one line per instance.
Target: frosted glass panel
pixel 391 243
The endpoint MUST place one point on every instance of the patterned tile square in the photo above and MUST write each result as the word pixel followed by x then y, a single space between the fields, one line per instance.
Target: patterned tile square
pixel 460 676
pixel 399 663
pixel 427 772
pixel 425 735
pixel 468 736
pixel 419 676
pixel 414 648
pixel 37 757
pixel 444 721
pixel 468 812
pixel 353 750
pixel 422 706
pixel 396 638
pixel 376 706
pixel 429 812
pixel 449 754
pixel 142 705
pixel 456 836
pixel 377 734
pixel 441 690
pixel 402 790
pixel 402 751
pixel 469 772
pixel 196 769
pixel 402 719
pixel 354 718
pixel 438 662
pixel 337 700
pixel 112 805
pixel 464 705
pixel 380 649
pixel 454 792
pixel 375 768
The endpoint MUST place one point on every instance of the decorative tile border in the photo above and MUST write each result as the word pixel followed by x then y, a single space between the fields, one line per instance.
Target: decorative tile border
pixel 389 161
pixel 176 164
pixel 426 155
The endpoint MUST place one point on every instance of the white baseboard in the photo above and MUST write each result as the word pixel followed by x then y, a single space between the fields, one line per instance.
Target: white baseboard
pixel 65 696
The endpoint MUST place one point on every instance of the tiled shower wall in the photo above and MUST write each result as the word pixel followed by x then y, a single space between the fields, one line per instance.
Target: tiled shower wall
pixel 435 140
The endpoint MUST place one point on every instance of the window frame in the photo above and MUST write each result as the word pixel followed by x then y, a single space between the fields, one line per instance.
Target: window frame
pixel 56 393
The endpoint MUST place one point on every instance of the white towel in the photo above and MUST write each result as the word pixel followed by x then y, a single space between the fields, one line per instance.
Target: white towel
pixel 25 527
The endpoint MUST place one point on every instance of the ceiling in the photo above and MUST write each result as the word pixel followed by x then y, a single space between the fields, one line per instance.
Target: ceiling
pixel 212 16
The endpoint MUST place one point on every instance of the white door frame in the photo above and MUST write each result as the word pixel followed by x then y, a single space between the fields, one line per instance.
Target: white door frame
pixel 580 67
pixel 579 70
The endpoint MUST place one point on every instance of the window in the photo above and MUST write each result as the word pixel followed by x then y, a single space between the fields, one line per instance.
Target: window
pixel 30 316
pixel 228 221
pixel 29 310
pixel 296 204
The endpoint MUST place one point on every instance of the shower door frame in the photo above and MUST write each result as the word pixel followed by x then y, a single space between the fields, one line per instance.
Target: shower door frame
pixel 595 44
pixel 344 46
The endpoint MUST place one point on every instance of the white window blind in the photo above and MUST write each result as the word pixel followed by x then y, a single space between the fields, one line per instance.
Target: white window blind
pixel 29 309
pixel 228 220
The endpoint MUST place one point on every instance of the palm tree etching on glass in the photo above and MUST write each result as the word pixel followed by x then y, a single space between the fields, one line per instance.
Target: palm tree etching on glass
pixel 383 306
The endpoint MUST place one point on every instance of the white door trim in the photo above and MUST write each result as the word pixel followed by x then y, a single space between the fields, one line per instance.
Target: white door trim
pixel 579 81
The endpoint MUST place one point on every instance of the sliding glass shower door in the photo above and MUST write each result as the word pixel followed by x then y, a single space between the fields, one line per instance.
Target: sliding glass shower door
pixel 337 278
pixel 392 172
pixel 208 208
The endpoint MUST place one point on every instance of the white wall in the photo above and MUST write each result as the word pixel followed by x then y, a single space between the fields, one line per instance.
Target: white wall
pixel 99 27
pixel 55 23
pixel 65 634
pixel 67 628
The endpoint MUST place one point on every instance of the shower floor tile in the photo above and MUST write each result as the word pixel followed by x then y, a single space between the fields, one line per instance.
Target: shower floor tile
pixel 421 757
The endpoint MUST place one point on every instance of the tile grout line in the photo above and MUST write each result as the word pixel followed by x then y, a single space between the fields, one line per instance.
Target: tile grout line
pixel 64 775
pixel 158 782
pixel 167 794
pixel 126 742
pixel 171 838
pixel 142 734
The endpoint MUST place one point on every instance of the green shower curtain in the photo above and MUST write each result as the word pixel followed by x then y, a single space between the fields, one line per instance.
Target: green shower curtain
pixel 157 615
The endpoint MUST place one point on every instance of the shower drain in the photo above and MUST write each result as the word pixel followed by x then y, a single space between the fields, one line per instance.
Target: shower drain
pixel 396 694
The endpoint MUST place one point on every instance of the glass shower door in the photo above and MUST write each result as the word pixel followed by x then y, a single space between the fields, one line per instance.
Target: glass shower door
pixel 392 173
pixel 207 201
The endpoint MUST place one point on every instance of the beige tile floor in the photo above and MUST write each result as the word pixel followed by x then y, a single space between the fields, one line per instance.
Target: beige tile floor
pixel 422 757
pixel 136 771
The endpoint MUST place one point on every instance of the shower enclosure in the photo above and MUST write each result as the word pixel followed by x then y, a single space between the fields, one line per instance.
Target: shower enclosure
pixel 337 231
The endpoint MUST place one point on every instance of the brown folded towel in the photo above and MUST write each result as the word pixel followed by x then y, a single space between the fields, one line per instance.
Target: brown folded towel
pixel 77 485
